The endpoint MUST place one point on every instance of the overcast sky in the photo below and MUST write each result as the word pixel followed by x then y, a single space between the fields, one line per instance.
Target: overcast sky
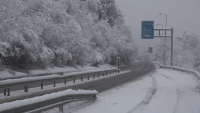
pixel 182 15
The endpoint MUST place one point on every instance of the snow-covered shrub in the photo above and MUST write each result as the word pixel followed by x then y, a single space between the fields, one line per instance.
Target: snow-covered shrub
pixel 3 48
pixel 186 51
pixel 1 66
pixel 97 59
pixel 45 58
pixel 80 51
pixel 61 57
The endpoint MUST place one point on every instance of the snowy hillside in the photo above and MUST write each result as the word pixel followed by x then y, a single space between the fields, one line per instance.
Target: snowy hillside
pixel 186 51
pixel 43 33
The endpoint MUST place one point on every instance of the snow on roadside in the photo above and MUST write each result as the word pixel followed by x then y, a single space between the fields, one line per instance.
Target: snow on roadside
pixel 190 70
pixel 188 100
pixel 164 96
pixel 26 79
pixel 117 100
pixel 18 103
pixel 9 73
pixel 164 91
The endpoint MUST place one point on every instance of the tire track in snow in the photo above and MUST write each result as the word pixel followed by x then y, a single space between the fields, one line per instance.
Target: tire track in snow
pixel 165 96
pixel 144 104
pixel 185 102
pixel 177 91
pixel 177 100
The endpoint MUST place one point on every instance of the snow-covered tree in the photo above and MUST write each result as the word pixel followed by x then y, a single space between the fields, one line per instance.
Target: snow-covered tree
pixel 42 33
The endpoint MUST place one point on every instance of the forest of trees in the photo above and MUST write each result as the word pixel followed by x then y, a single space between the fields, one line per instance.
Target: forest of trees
pixel 44 33
pixel 186 51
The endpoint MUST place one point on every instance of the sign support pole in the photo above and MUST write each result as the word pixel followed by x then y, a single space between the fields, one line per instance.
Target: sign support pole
pixel 165 49
pixel 118 62
pixel 148 33
pixel 172 46
pixel 172 30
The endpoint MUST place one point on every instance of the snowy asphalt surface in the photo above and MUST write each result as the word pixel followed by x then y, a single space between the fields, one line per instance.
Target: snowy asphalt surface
pixel 133 71
pixel 161 91
pixel 136 70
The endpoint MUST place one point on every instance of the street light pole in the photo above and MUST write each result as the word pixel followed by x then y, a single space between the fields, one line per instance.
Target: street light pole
pixel 165 37
pixel 166 21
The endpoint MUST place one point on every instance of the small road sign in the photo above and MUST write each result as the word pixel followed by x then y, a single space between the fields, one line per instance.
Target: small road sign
pixel 196 65
pixel 147 29
pixel 150 50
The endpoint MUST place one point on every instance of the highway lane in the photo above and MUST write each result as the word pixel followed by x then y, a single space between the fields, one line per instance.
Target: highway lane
pixel 135 67
pixel 137 70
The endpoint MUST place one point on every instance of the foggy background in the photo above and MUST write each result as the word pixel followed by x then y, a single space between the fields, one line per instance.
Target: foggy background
pixel 182 15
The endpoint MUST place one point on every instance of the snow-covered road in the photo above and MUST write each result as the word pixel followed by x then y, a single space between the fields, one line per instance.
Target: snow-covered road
pixel 163 91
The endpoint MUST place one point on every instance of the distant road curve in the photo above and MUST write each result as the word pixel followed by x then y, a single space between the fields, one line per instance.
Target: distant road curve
pixel 136 70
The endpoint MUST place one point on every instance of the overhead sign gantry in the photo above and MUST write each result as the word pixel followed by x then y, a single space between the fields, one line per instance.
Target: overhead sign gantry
pixel 148 33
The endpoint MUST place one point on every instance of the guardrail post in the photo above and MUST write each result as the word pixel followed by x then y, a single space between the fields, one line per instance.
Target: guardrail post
pixel 110 72
pixel 74 79
pixel 106 73
pixel 113 72
pixel 94 98
pixel 25 88
pixel 88 77
pixel 41 85
pixel 81 78
pixel 98 75
pixel 54 83
pixel 4 92
pixel 61 108
pixel 61 74
pixel 93 76
pixel 65 81
pixel 8 91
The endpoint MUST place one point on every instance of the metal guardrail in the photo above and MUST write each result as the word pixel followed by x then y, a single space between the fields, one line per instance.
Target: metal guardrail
pixel 5 85
pixel 183 70
pixel 51 103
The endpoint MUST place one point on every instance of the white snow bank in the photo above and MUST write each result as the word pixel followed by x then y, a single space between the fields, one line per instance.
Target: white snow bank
pixel 18 103
pixel 189 70
pixel 165 91
pixel 9 74
pixel 121 99
pixel 27 79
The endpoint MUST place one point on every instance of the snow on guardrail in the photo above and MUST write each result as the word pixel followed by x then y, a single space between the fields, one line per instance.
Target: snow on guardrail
pixel 12 81
pixel 19 103
pixel 182 69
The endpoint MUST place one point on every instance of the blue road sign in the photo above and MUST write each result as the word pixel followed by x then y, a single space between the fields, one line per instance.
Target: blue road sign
pixel 150 50
pixel 147 29
pixel 196 65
